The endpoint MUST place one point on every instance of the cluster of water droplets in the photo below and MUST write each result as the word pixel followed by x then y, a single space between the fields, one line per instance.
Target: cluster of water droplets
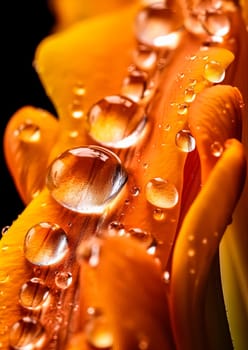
pixel 210 19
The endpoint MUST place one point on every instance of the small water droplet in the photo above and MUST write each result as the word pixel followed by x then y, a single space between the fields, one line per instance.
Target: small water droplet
pixel 86 179
pixel 135 191
pixel 79 89
pixel 159 214
pixel 191 253
pixel 4 230
pixel 216 149
pixel 98 333
pixel 189 94
pixel 214 72
pixel 185 141
pixel 182 108
pixel 27 334
pixel 145 58
pixel 33 294
pixel 45 244
pixel 116 228
pixel 135 86
pixel 161 193
pixel 166 276
pixel 76 109
pixel 116 121
pixel 28 132
pixel 142 236
pixel 167 127
pixel 63 279
pixel 89 251
pixel 4 276
pixel 158 26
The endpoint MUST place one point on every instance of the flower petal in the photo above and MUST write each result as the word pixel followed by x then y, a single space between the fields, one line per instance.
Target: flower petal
pixel 135 307
pixel 28 139
pixel 198 243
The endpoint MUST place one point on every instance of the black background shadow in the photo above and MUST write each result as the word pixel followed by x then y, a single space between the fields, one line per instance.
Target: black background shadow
pixel 24 23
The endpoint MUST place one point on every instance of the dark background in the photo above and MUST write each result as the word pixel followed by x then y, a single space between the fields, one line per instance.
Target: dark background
pixel 24 23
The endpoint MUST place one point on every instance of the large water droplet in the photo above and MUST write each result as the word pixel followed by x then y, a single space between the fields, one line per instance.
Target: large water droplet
pixel 86 179
pixel 33 294
pixel 27 334
pixel 158 26
pixel 28 132
pixel 185 141
pixel 214 72
pixel 98 333
pixel 116 121
pixel 161 193
pixel 45 244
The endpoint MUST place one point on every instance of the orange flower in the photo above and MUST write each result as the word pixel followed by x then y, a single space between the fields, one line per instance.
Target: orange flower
pixel 130 190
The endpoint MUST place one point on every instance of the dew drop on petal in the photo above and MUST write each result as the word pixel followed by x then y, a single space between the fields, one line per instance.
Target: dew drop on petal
pixel 161 193
pixel 189 94
pixel 98 333
pixel 89 251
pixel 159 214
pixel 158 26
pixel 135 86
pixel 79 89
pixel 4 230
pixel 86 179
pixel 214 72
pixel 145 238
pixel 27 334
pixel 182 108
pixel 45 244
pixel 33 294
pixel 116 228
pixel 185 141
pixel 63 279
pixel 145 58
pixel 76 109
pixel 216 149
pixel 217 24
pixel 28 132
pixel 166 276
pixel 116 121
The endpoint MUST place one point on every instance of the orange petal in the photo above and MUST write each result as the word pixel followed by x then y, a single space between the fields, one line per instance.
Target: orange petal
pixel 28 139
pixel 135 307
pixel 198 242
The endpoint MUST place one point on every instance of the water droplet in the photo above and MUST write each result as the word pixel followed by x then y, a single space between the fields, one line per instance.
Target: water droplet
pixel 45 244
pixel 185 141
pixel 189 94
pixel 142 236
pixel 166 276
pixel 63 279
pixel 214 72
pixel 98 333
pixel 159 214
pixel 158 26
pixel 135 191
pixel 135 86
pixel 4 276
pixel 217 24
pixel 161 193
pixel 116 121
pixel 216 149
pixel 145 58
pixel 89 251
pixel 79 89
pixel 4 230
pixel 33 294
pixel 27 334
pixel 76 109
pixel 191 253
pixel 182 108
pixel 116 228
pixel 28 132
pixel 86 179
